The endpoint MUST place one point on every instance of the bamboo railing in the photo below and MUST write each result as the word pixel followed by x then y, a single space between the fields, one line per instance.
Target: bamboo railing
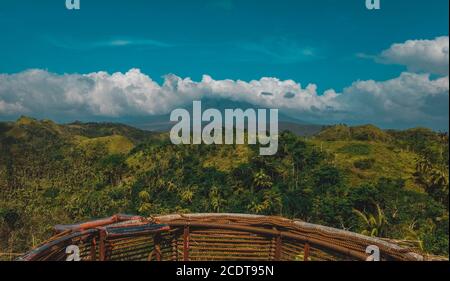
pixel 205 237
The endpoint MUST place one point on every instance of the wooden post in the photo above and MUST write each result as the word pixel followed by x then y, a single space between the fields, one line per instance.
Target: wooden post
pixel 93 249
pixel 278 245
pixel 306 252
pixel 157 245
pixel 186 243
pixel 102 246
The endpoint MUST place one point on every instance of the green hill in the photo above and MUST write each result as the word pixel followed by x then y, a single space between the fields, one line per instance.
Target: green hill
pixel 52 173
pixel 368 161
pixel 362 133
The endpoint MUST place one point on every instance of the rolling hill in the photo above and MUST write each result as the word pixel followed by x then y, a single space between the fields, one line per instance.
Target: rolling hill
pixel 60 173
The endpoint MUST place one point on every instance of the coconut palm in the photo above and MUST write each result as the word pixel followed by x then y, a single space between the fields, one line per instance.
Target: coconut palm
pixel 374 224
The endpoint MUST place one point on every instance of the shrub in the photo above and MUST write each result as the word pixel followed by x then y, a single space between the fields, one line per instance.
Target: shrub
pixel 355 149
pixel 364 164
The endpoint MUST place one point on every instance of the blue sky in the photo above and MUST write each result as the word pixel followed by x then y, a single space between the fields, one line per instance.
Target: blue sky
pixel 330 43
pixel 308 41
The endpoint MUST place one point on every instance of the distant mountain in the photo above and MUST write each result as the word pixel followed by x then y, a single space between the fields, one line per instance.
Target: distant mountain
pixel 303 130
pixel 161 123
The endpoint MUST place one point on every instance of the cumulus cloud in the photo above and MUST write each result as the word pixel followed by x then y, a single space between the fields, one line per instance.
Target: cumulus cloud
pixel 409 100
pixel 429 56
pixel 134 93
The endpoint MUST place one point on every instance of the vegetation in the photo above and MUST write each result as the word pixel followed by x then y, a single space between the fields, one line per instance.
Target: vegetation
pixel 363 179
pixel 375 224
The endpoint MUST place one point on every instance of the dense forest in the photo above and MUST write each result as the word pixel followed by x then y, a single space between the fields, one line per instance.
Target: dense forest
pixel 384 183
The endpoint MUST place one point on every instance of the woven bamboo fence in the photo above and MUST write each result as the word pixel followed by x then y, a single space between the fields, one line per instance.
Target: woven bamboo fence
pixel 210 237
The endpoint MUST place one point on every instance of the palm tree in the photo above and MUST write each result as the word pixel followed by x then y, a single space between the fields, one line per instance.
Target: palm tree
pixel 261 180
pixel 374 224
pixel 216 199
pixel 433 179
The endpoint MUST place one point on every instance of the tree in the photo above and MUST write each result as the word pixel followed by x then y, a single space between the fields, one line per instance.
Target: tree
pixel 433 179
pixel 374 224
pixel 261 180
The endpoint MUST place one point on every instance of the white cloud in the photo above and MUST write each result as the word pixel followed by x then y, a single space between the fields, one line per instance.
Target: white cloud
pixel 116 42
pixel 134 93
pixel 408 100
pixel 11 108
pixel 429 56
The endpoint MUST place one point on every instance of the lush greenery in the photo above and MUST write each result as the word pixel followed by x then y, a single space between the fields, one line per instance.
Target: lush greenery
pixel 382 183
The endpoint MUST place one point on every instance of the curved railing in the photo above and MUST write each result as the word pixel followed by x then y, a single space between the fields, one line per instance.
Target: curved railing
pixel 211 237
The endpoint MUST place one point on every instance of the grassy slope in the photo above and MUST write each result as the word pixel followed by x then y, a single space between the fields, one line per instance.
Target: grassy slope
pixel 389 161
pixel 115 144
